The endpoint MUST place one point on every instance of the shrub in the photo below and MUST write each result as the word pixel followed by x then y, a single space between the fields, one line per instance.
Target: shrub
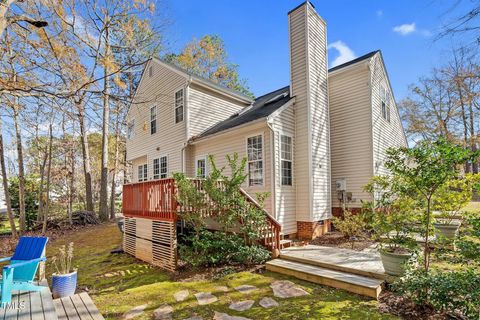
pixel 352 226
pixel 219 248
pixel 32 187
pixel 453 292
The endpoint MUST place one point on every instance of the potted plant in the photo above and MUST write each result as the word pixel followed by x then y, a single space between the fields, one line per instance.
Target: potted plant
pixel 448 202
pixel 392 218
pixel 64 280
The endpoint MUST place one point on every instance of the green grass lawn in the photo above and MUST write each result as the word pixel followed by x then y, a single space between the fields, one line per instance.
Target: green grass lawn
pixel 118 282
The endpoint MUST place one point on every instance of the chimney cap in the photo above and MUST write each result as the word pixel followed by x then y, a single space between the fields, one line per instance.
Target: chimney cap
pixel 301 5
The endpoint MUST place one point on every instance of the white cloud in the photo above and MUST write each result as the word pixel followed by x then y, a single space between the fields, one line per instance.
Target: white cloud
pixel 405 29
pixel 379 13
pixel 345 53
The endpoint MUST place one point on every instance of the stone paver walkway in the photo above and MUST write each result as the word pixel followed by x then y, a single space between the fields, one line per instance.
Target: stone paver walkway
pixel 246 288
pixel 268 302
pixel 204 298
pixel 224 316
pixel 181 295
pixel 134 312
pixel 164 312
pixel 287 289
pixel 242 305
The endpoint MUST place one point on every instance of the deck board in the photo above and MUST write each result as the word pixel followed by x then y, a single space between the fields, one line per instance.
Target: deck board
pixel 77 307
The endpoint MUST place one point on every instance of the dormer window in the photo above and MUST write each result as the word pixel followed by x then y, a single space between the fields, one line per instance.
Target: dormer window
pixel 153 120
pixel 150 71
pixel 179 103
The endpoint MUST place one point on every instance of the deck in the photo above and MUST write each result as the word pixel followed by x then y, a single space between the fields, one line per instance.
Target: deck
pixel 41 306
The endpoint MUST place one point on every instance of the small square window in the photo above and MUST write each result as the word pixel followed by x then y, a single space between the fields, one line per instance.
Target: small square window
pixel 150 71
pixel 131 129
pixel 179 106
pixel 153 120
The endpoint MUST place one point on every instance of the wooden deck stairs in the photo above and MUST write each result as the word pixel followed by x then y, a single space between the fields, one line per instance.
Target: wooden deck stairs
pixel 357 272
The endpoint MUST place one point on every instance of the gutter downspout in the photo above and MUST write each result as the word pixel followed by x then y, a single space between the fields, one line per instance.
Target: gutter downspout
pixel 273 171
pixel 187 125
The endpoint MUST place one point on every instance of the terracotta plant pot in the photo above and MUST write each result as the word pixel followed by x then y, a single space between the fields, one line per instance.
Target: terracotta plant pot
pixel 447 231
pixel 394 263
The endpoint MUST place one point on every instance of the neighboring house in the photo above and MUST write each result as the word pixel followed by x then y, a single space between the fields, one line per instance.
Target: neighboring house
pixel 311 145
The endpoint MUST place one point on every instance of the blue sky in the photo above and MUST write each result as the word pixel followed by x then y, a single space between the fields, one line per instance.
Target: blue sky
pixel 256 34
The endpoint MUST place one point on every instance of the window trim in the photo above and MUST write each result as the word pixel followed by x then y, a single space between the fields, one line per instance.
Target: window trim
pixel 201 157
pixel 132 135
pixel 263 160
pixel 281 159
pixel 175 105
pixel 156 109
pixel 153 168
pixel 144 167
pixel 160 166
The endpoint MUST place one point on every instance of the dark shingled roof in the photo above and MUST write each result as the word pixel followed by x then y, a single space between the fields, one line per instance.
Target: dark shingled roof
pixel 346 64
pixel 267 104
pixel 261 108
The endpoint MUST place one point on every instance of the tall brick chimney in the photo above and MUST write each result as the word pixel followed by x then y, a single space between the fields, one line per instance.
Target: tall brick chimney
pixel 308 74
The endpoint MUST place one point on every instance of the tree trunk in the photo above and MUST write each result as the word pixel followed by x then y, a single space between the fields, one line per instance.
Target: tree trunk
pixel 5 186
pixel 21 170
pixel 473 142
pixel 103 213
pixel 72 185
pixel 49 170
pixel 85 157
pixel 40 191
pixel 115 167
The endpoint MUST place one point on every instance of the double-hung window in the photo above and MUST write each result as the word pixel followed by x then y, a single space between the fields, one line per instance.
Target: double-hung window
pixel 255 160
pixel 179 106
pixel 201 167
pixel 142 172
pixel 131 129
pixel 163 166
pixel 153 120
pixel 286 157
pixel 156 168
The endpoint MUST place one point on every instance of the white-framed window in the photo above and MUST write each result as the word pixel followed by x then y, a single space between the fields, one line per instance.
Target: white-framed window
pixel 385 101
pixel 153 120
pixel 179 105
pixel 131 129
pixel 255 160
pixel 286 159
pixel 201 167
pixel 156 168
pixel 142 172
pixel 163 167
pixel 150 71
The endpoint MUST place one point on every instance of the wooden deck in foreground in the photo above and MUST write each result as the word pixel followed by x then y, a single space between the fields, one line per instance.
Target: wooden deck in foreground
pixel 41 306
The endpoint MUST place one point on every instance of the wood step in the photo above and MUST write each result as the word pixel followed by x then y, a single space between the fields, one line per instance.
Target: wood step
pixel 285 243
pixel 344 260
pixel 342 280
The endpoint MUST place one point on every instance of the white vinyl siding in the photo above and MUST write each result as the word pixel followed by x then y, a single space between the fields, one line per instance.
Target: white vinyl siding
pixel 206 108
pixel 351 131
pixel 131 129
pixel 385 134
pixel 158 90
pixel 255 160
pixel 235 141
pixel 285 196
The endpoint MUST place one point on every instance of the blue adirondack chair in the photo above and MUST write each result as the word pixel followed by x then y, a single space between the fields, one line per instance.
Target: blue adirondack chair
pixel 20 273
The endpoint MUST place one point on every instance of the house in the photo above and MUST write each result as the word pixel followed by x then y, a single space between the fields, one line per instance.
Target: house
pixel 312 145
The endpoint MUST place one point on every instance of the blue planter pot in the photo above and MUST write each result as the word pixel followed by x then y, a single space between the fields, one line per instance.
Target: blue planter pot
pixel 64 285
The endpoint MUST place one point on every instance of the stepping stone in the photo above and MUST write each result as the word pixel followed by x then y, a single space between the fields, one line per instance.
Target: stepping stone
pixel 241 305
pixel 132 313
pixel 194 318
pixel 204 298
pixel 224 316
pixel 268 302
pixel 287 289
pixel 222 288
pixel 246 288
pixel 181 295
pixel 164 312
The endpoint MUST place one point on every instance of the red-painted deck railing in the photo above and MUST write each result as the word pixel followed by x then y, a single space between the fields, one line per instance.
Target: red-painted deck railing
pixel 157 200
pixel 151 200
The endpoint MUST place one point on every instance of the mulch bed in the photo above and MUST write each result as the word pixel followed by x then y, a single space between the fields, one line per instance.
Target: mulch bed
pixel 338 240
